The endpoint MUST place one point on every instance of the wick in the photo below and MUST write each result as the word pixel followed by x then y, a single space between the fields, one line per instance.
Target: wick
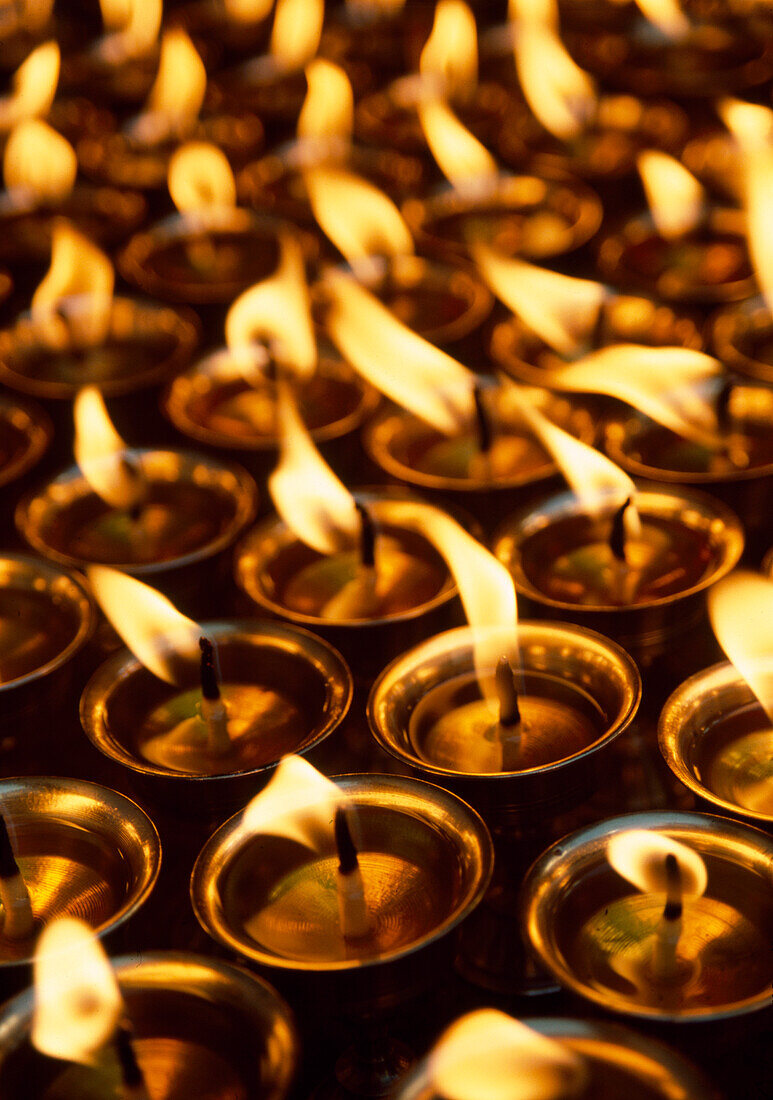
pixel 673 908
pixel 507 694
pixel 131 1075
pixel 485 434
pixel 664 964
pixel 598 332
pixel 617 534
pixel 132 471
pixel 212 706
pixel 367 536
pixel 18 922
pixel 352 910
pixel 347 853
pixel 722 406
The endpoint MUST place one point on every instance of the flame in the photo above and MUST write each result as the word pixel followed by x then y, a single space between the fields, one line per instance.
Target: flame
pixel 328 109
pixel 538 11
pixel 277 311
pixel 488 1055
pixel 296 32
pixel 435 387
pixel 39 165
pixel 561 95
pixel 247 11
pixel 34 86
pixel 298 803
pixel 462 159
pixel 561 309
pixel 639 855
pixel 101 453
pixel 752 126
pixel 152 628
pixel 449 60
pixel 667 16
pixel 360 220
pixel 314 504
pixel 662 382
pixel 178 91
pixel 741 611
pixel 674 196
pixel 78 1004
pixel 200 179
pixel 133 27
pixel 74 300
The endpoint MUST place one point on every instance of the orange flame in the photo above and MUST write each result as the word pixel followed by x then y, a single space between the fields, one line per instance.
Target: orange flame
pixel 39 165
pixel 676 199
pixel 561 95
pixel 78 1004
pixel 298 803
pixel 436 388
pixel 488 1055
pixel 314 504
pixel 201 180
pixel 73 303
pixel 449 60
pixel 667 16
pixel 133 27
pixel 177 94
pixel 741 611
pixel 101 453
pixel 34 86
pixel 327 114
pixel 152 628
pixel 462 159
pixel 296 33
pixel 277 311
pixel 639 855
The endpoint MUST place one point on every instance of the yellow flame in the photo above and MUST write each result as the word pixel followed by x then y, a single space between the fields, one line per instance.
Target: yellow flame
pixel 405 367
pixel 296 32
pixel 248 11
pixel 298 803
pixel 488 1055
pixel 538 11
pixel 561 309
pixel 101 453
pixel 663 382
pixel 200 179
pixel 639 855
pixel 561 95
pixel 360 220
pixel 328 109
pixel 178 91
pixel 39 165
pixel 34 86
pixel 74 300
pixel 675 198
pixel 276 311
pixel 667 16
pixel 78 1004
pixel 752 126
pixel 133 27
pixel 741 611
pixel 314 504
pixel 462 159
pixel 449 59
pixel 152 628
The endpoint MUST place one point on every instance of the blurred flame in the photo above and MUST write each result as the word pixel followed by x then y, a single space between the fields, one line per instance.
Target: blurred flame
pixel 360 220
pixel 561 95
pixel 488 1055
pixel 314 504
pixel 247 11
pixel 449 59
pixel 328 109
pixel 661 382
pixel 741 611
pixel 675 198
pixel 39 165
pixel 296 32
pixel 115 13
pixel 101 453
pixel 178 91
pixel 538 11
pixel 200 179
pixel 462 159
pixel 152 628
pixel 74 300
pixel 78 1004
pixel 299 803
pixel 34 86
pixel 276 311
pixel 408 369
pixel 561 309
pixel 134 26
pixel 667 16
pixel 752 126
pixel 639 855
